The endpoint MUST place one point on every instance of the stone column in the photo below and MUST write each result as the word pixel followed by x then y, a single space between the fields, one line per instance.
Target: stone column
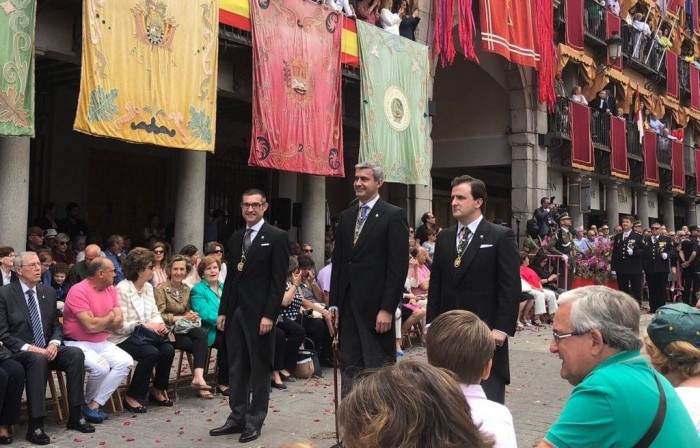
pixel 14 185
pixel 643 206
pixel 691 214
pixel 575 211
pixel 313 217
pixel 668 212
pixel 529 177
pixel 190 207
pixel 612 205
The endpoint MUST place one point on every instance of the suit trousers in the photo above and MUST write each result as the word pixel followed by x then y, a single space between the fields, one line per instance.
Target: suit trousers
pixel 222 374
pixel 495 385
pixel 249 376
pixel 149 356
pixel 632 285
pixel 70 360
pixel 11 388
pixel 657 283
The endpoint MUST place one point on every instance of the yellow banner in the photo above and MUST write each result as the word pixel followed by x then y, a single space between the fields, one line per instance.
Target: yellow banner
pixel 149 70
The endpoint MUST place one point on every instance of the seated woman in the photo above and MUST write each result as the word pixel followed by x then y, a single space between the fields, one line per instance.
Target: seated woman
pixel 191 251
pixel 413 308
pixel 173 300
pixel 673 345
pixel 46 260
pixel 315 328
pixel 548 279
pixel 541 295
pixel 11 389
pixel 205 299
pixel 217 249
pixel 160 261
pixel 140 310
pixel 61 250
pixel 7 266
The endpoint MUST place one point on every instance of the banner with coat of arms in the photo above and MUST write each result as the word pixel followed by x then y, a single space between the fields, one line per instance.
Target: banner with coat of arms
pixel 394 117
pixel 149 72
pixel 17 24
pixel 297 113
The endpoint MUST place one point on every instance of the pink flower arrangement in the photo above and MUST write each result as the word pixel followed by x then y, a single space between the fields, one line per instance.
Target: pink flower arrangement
pixel 595 262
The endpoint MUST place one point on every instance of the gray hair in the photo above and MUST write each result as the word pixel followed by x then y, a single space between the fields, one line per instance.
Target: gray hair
pixel 613 313
pixel 19 259
pixel 377 171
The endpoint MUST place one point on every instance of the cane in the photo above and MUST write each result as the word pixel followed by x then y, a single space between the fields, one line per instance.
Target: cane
pixel 336 348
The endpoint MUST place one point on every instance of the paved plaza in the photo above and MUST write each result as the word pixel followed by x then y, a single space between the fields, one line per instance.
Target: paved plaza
pixel 304 412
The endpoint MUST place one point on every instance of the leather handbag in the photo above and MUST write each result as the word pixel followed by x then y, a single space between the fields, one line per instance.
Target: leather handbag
pixel 145 336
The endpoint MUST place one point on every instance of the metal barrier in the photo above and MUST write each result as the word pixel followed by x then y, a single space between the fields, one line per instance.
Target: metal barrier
pixel 555 262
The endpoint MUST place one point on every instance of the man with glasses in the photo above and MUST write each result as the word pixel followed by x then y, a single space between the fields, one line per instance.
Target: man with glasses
pixel 35 239
pixel 80 270
pixel 29 327
pixel 616 393
pixel 250 305
pixel 115 244
pixel 658 251
pixel 306 249
pixel 604 233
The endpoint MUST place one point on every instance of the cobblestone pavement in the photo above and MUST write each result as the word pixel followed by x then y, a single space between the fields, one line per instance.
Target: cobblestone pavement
pixel 304 412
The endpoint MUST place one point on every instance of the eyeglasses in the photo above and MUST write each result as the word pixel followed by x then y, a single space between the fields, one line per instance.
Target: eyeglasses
pixel 218 251
pixel 149 267
pixel 46 264
pixel 605 228
pixel 559 336
pixel 10 255
pixel 656 228
pixel 30 265
pixel 254 205
pixel 158 251
pixel 62 243
pixel 308 250
pixel 40 236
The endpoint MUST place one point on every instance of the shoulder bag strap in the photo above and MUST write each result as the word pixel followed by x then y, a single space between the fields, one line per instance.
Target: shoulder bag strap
pixel 655 427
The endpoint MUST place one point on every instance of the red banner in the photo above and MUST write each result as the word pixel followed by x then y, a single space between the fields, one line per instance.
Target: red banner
pixel 573 10
pixel 297 114
pixel 581 143
pixel 672 74
pixel 619 165
pixel 697 172
pixel 694 13
pixel 613 24
pixel 507 28
pixel 651 165
pixel 694 87
pixel 677 167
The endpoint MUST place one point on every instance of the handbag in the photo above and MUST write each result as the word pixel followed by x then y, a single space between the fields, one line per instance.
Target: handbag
pixel 145 336
pixel 183 326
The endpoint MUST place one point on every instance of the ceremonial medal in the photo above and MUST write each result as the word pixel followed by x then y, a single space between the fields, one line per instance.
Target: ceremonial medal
pixel 458 261
pixel 240 266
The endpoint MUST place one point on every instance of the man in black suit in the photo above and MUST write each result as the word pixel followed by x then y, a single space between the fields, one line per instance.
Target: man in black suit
pixel 544 216
pixel 370 261
pixel 476 267
pixel 250 304
pixel 628 249
pixel 29 327
pixel 658 251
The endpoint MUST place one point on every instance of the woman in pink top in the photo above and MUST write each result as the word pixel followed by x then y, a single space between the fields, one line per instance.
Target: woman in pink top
pixel 161 259
pixel 368 10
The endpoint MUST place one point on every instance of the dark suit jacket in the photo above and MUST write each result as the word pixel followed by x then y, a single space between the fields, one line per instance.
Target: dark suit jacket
pixel 542 215
pixel 257 290
pixel 15 328
pixel 371 273
pixel 487 282
pixel 652 260
pixel 622 262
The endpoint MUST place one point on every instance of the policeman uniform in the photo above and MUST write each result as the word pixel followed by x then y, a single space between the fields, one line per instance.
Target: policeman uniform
pixel 564 244
pixel 658 251
pixel 628 248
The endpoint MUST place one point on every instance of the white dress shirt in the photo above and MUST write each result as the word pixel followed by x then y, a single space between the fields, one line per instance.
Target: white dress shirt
pixel 390 21
pixel 255 229
pixel 491 417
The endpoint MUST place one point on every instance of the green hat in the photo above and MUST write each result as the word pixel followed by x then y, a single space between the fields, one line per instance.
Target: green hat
pixel 676 322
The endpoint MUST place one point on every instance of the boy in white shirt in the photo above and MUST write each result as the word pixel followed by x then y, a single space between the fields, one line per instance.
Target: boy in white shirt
pixel 460 342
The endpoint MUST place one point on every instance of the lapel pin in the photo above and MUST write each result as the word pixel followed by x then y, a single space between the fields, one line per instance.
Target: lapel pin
pixel 377 215
pixel 262 237
pixel 481 236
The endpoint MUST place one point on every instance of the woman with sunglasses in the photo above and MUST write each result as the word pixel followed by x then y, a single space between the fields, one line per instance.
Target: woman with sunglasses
pixel 217 249
pixel 61 250
pixel 160 261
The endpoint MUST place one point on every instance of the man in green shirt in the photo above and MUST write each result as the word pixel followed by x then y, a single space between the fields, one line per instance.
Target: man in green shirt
pixel 80 270
pixel 616 396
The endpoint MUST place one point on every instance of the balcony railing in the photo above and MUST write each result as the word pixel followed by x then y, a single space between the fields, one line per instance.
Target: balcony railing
pixel 600 128
pixel 559 121
pixel 684 74
pixel 663 150
pixel 634 146
pixel 594 18
pixel 642 49
pixel 689 160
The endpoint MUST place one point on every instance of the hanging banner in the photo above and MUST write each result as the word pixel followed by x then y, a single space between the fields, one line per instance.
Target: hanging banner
pixel 613 25
pixel 672 85
pixel 651 164
pixel 236 13
pixel 694 87
pixel 581 143
pixel 678 167
pixel 149 71
pixel 297 113
pixel 394 117
pixel 17 23
pixel 694 15
pixel 507 29
pixel 619 164
pixel 573 10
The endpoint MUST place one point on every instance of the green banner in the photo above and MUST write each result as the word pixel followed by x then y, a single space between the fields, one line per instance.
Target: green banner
pixel 395 126
pixel 17 21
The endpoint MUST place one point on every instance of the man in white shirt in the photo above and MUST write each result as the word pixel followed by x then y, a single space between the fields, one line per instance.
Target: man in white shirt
pixel 341 5
pixel 656 124
pixel 460 342
pixel 323 278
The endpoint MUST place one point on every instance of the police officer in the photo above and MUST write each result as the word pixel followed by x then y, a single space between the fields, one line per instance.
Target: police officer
pixel 628 249
pixel 563 244
pixel 658 252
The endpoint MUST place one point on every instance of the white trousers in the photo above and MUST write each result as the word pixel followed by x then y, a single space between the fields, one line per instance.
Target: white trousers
pixel 397 322
pixel 106 365
pixel 546 296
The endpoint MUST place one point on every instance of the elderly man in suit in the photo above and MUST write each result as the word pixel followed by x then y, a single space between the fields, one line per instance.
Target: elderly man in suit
pixel 250 304
pixel 29 327
pixel 476 268
pixel 370 261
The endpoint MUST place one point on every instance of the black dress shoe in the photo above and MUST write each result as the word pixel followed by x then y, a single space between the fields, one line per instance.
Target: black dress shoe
pixel 280 386
pixel 165 402
pixel 249 435
pixel 5 440
pixel 226 429
pixel 223 392
pixel 135 409
pixel 80 425
pixel 38 437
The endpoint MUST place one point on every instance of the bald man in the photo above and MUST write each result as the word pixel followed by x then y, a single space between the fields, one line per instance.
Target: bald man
pixel 80 270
